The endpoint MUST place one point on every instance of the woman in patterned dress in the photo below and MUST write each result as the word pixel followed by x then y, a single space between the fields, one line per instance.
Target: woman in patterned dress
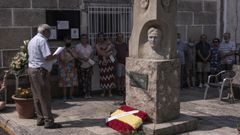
pixel 106 64
pixel 67 69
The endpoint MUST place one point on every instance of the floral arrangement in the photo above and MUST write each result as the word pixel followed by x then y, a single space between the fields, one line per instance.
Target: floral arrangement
pixel 23 93
pixel 20 60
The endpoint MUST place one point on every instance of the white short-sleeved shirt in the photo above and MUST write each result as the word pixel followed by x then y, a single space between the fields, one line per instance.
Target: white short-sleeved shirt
pixel 84 52
pixel 38 50
pixel 226 48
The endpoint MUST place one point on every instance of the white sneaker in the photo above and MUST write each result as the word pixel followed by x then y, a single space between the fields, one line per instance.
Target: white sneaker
pixel 200 85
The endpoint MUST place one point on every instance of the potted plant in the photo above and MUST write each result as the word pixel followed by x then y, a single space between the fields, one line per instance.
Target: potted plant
pixel 23 96
pixel 24 103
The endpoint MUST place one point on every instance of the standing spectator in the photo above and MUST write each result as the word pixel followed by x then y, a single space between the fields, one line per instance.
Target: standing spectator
pixel 181 48
pixel 2 102
pixel 227 50
pixel 203 50
pixel 215 62
pixel 85 52
pixel 191 63
pixel 67 69
pixel 122 52
pixel 106 64
pixel 39 67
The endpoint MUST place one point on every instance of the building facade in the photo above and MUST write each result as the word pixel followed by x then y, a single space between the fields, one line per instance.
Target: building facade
pixel 19 20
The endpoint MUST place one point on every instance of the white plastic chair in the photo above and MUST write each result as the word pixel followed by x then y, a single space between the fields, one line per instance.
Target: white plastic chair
pixel 221 80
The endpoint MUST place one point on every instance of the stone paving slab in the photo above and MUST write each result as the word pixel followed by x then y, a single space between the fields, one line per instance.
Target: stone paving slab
pixel 181 124
pixel 87 116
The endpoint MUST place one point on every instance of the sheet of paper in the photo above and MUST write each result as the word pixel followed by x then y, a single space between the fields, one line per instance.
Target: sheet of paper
pixel 112 58
pixel 53 32
pixel 90 61
pixel 74 33
pixel 63 25
pixel 59 50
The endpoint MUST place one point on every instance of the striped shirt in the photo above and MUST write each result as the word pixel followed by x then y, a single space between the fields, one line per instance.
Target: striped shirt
pixel 226 48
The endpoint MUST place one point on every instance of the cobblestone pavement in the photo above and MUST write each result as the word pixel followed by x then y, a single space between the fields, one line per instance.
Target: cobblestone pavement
pixel 87 117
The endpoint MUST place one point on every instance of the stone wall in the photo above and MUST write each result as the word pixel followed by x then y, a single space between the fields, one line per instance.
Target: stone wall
pixel 19 18
pixel 195 17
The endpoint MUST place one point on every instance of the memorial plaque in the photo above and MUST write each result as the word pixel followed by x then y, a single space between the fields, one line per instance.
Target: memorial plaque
pixel 138 80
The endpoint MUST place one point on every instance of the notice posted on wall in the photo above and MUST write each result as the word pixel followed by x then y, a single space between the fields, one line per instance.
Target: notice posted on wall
pixel 74 33
pixel 53 32
pixel 62 25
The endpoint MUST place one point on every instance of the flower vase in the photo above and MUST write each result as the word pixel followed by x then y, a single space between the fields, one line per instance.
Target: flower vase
pixel 24 107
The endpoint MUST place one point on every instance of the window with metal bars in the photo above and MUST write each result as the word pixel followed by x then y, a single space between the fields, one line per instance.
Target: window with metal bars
pixel 110 20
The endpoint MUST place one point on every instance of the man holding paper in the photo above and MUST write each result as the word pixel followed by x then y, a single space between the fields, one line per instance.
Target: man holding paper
pixel 40 64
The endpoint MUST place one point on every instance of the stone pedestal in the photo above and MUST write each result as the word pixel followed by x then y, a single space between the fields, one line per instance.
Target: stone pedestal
pixel 179 125
pixel 153 86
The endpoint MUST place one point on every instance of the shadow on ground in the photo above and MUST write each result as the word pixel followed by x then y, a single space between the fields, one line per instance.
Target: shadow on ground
pixel 87 122
pixel 209 123
pixel 193 94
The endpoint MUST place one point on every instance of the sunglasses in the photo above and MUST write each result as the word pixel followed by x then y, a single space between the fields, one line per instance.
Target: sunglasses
pixel 215 42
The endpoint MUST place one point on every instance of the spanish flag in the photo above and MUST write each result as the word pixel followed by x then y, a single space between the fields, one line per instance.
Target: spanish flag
pixel 126 119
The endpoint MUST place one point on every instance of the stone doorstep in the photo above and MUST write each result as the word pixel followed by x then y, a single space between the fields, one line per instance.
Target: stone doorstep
pixel 182 124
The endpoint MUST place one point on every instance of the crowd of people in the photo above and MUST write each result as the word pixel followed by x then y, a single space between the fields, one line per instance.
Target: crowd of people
pixel 76 65
pixel 75 69
pixel 200 58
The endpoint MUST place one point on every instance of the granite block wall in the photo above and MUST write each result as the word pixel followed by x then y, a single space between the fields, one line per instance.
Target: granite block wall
pixel 196 17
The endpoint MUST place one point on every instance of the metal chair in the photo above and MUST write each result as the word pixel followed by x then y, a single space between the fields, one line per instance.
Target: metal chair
pixel 221 80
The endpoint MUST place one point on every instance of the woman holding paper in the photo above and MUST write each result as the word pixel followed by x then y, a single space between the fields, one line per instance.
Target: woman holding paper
pixel 106 61
pixel 85 70
pixel 67 69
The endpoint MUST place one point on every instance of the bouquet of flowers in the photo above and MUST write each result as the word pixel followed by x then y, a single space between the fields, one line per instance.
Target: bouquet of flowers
pixel 20 60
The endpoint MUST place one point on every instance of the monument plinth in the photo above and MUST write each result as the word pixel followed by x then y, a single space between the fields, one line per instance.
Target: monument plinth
pixel 153 69
pixel 153 86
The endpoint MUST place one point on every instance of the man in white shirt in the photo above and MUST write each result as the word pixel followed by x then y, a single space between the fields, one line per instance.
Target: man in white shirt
pixel 227 51
pixel 39 68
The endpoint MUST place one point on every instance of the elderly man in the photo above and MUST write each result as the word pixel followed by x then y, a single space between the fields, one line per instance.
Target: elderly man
pixel 227 52
pixel 40 65
pixel 203 50
pixel 181 49
pixel 122 52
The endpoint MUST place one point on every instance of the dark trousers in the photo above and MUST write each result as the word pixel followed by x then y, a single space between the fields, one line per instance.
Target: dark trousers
pixel 39 79
pixel 183 76
pixel 85 79
pixel 227 66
